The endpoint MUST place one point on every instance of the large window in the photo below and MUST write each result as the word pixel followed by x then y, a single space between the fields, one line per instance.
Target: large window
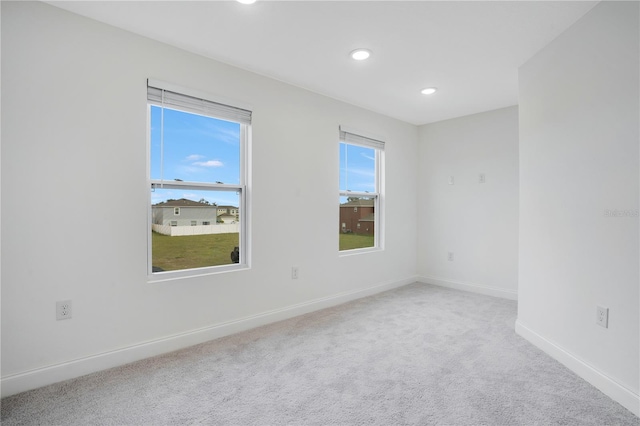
pixel 360 192
pixel 197 164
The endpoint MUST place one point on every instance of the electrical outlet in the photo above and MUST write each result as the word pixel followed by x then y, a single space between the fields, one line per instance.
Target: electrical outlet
pixel 451 180
pixel 482 178
pixel 63 310
pixel 602 316
pixel 294 272
pixel 450 256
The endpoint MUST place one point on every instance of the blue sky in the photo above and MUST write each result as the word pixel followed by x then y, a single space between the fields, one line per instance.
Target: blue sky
pixel 357 168
pixel 204 149
pixel 197 149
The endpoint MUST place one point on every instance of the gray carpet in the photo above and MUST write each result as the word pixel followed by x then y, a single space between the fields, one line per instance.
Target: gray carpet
pixel 417 355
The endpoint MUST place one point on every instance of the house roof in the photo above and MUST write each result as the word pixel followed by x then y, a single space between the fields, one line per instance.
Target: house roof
pixel 227 215
pixel 360 202
pixel 183 202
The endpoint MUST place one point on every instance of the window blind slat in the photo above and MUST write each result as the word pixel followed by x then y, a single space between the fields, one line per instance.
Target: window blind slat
pixel 361 140
pixel 166 98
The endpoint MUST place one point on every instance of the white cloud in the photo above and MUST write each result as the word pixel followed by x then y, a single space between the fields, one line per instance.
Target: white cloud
pixel 222 134
pixel 194 157
pixel 210 163
pixel 368 157
pixel 362 172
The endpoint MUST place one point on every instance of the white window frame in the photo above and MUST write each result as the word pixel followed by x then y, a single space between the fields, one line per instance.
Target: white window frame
pixel 356 138
pixel 243 188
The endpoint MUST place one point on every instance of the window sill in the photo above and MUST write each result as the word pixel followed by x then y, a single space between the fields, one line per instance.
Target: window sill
pixel 353 252
pixel 158 277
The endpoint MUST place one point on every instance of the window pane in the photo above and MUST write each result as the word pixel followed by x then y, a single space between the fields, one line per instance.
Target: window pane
pixel 178 244
pixel 357 168
pixel 357 222
pixel 196 148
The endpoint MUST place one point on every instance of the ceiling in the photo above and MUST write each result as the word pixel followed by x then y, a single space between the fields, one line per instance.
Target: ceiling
pixel 470 51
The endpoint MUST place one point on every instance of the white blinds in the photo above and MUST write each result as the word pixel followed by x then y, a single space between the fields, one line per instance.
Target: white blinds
pixel 361 140
pixel 166 98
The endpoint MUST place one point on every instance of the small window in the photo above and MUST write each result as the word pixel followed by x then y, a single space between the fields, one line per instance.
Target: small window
pixel 360 197
pixel 197 164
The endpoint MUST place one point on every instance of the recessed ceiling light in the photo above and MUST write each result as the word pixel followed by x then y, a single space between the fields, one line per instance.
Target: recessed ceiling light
pixel 429 91
pixel 360 54
pixel 246 1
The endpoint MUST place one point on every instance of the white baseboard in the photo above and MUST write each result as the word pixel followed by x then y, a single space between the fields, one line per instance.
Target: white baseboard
pixel 472 287
pixel 608 386
pixel 32 379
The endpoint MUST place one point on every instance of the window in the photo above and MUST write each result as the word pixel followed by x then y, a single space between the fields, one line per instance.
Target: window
pixel 197 162
pixel 360 194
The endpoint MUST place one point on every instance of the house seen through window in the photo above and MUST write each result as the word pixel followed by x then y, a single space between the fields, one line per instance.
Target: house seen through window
pixel 360 198
pixel 197 181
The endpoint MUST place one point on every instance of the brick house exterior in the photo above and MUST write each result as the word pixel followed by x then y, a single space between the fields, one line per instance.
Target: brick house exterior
pixel 357 216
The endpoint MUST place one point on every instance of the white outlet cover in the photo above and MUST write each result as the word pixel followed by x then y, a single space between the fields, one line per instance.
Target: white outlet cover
pixel 602 316
pixel 64 310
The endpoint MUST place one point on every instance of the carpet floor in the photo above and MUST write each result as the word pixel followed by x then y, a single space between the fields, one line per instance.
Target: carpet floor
pixel 416 355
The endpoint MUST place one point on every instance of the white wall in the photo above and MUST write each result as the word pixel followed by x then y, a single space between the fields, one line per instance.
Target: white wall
pixel 74 135
pixel 476 221
pixel 579 123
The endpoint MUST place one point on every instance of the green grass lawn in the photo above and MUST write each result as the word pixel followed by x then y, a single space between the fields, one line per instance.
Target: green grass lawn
pixel 355 241
pixel 192 251
pixel 199 251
